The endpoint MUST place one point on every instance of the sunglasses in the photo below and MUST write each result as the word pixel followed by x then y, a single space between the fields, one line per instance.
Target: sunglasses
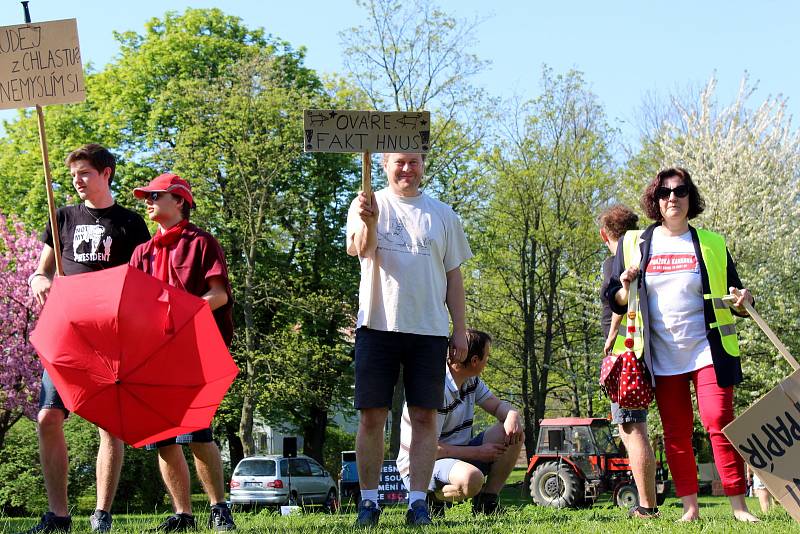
pixel 154 195
pixel 663 193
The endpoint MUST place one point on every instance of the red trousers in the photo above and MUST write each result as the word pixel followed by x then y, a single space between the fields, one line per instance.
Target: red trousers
pixel 674 400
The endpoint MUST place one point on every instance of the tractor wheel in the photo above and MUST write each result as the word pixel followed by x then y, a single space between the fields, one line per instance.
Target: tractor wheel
pixel 627 496
pixel 556 486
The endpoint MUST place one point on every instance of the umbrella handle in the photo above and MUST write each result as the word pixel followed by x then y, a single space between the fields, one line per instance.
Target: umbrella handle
pixel 169 323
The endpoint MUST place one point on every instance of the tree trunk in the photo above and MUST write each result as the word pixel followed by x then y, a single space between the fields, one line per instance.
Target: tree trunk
pixel 248 401
pixel 7 420
pixel 314 435
pixel 235 449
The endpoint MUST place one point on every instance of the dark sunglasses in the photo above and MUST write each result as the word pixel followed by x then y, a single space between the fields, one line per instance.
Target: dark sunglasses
pixel 663 193
pixel 154 195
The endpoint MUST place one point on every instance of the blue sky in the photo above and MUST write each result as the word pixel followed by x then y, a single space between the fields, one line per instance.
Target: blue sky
pixel 625 48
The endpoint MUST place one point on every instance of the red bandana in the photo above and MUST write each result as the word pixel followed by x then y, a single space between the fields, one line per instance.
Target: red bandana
pixel 163 242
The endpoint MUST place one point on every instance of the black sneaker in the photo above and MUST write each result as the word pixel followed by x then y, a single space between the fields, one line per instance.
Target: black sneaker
pixel 485 503
pixel 100 521
pixel 221 518
pixel 418 515
pixel 176 523
pixel 435 506
pixel 368 514
pixel 51 523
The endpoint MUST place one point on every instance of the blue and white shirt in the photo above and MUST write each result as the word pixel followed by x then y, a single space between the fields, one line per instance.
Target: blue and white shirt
pixel 454 417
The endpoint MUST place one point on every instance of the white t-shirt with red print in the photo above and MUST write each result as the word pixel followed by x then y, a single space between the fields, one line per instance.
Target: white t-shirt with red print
pixel 675 301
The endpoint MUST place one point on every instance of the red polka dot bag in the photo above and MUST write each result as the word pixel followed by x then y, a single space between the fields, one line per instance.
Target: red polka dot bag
pixel 623 376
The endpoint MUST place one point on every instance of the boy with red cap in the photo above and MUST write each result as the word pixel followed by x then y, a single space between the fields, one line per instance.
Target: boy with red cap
pixel 187 257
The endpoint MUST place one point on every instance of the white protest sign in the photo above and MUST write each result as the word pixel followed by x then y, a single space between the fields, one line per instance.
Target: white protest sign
pixel 40 64
pixel 330 130
pixel 767 435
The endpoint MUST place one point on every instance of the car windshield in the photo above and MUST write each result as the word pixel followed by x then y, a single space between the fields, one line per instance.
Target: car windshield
pixel 256 468
pixel 605 439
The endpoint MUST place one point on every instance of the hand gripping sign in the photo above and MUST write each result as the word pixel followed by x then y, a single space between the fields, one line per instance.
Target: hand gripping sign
pixel 767 434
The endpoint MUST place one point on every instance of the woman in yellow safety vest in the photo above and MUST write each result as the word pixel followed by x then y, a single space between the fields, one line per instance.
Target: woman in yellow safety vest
pixel 689 334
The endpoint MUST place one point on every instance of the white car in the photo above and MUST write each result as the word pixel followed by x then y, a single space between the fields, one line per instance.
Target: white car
pixel 270 480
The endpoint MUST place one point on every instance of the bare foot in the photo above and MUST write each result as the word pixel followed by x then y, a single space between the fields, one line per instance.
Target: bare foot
pixel 747 517
pixel 690 515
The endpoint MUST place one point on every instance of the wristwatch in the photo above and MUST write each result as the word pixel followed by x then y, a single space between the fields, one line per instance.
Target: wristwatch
pixel 31 277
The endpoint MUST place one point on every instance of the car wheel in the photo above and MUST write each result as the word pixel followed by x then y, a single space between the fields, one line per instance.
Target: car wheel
pixel 627 496
pixel 556 485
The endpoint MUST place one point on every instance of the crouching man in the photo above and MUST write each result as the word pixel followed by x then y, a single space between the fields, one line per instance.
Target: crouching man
pixel 463 460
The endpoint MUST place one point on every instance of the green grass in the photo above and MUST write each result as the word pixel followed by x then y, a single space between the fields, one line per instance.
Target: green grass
pixel 518 518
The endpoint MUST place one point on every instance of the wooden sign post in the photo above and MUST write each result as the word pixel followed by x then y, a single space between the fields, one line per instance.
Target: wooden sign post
pixel 40 65
pixel 365 132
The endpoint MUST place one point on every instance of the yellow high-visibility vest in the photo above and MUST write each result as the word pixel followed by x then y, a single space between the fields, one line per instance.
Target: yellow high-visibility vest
pixel 715 258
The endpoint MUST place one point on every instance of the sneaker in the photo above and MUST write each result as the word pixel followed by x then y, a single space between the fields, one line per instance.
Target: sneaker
pixel 100 521
pixel 176 523
pixel 435 506
pixel 485 503
pixel 640 512
pixel 221 518
pixel 368 514
pixel 418 515
pixel 51 523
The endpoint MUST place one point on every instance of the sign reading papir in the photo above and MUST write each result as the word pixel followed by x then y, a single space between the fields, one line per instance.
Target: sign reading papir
pixel 40 64
pixel 329 130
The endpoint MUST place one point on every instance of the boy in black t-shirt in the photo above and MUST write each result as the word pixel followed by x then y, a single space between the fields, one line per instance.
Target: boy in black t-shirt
pixel 95 234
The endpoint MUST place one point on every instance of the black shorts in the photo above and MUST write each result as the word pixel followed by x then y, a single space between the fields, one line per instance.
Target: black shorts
pixel 49 397
pixel 198 436
pixel 380 354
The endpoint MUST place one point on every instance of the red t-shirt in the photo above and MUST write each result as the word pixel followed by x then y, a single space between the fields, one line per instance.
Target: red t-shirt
pixel 196 258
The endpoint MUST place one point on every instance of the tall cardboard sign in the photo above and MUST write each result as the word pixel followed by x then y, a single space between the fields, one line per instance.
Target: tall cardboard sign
pixel 767 434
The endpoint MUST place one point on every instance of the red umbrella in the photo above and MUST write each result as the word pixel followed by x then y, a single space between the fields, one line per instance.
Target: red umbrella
pixel 132 354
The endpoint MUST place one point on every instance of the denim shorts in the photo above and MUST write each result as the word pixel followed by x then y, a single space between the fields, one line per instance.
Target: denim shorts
pixel 49 397
pixel 379 355
pixel 620 416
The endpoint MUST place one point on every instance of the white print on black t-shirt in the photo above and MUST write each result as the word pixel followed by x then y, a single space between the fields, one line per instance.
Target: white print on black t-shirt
pixel 399 239
pixel 92 234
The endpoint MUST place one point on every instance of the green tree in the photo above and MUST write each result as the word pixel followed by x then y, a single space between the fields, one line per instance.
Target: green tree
pixel 538 256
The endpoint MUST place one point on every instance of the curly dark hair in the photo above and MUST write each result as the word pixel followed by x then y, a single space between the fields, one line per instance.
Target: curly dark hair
pixel 617 220
pixel 649 200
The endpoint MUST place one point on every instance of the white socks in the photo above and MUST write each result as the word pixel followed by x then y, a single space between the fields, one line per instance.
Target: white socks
pixel 370 495
pixel 413 496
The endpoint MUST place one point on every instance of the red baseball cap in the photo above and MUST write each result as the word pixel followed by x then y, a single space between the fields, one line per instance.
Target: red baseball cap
pixel 167 183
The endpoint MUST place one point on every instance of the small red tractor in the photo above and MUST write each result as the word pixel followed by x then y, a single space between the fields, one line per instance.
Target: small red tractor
pixel 577 460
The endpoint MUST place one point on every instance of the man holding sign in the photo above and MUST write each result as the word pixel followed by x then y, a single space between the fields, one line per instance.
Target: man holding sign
pixel 410 247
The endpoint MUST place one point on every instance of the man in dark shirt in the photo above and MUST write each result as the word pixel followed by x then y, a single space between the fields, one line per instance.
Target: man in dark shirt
pixel 95 234
pixel 186 257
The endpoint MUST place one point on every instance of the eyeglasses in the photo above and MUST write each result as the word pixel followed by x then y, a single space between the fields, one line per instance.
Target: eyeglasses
pixel 663 193
pixel 154 195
